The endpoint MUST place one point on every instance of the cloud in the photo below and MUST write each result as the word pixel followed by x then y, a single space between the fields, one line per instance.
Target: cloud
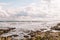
pixel 3 12
pixel 34 10
pixel 31 10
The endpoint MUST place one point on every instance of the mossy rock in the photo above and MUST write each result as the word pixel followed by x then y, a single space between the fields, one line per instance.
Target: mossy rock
pixel 38 38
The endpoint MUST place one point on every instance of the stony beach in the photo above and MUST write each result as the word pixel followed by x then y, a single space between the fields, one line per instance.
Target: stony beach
pixel 53 34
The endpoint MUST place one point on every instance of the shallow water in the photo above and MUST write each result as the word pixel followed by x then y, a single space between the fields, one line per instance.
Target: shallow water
pixel 23 28
pixel 27 25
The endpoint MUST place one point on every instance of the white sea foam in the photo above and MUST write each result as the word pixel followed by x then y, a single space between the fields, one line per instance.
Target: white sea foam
pixel 23 28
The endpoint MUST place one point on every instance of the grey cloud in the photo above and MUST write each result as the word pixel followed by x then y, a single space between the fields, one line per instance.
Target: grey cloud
pixel 22 13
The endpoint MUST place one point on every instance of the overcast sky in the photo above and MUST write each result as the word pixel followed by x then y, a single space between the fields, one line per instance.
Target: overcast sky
pixel 30 9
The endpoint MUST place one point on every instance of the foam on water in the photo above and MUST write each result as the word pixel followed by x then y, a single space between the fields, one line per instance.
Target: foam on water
pixel 29 25
pixel 23 28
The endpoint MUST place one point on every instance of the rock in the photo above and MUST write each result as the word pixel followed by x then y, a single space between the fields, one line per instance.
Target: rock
pixel 14 35
pixel 57 27
pixel 58 24
pixel 26 36
pixel 5 30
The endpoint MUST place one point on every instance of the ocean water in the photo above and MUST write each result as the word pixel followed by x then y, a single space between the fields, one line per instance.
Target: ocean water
pixel 25 27
pixel 29 25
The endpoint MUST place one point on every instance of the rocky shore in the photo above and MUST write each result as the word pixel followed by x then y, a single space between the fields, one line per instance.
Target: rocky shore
pixel 11 34
pixel 43 36
pixel 48 35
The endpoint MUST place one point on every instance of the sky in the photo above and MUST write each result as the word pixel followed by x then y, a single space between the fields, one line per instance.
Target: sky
pixel 29 9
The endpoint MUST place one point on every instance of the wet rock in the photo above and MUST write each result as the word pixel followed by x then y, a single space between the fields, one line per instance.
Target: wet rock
pixel 57 27
pixel 58 24
pixel 14 35
pixel 43 29
pixel 26 36
pixel 5 30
